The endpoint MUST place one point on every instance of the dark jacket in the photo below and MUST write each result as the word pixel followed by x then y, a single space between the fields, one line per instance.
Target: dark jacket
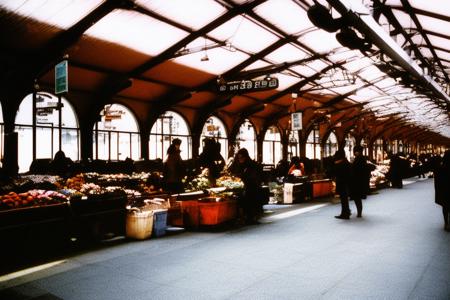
pixel 341 171
pixel 360 173
pixel 173 169
pixel 442 186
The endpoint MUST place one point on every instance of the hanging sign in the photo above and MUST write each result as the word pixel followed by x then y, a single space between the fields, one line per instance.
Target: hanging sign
pixel 296 121
pixel 247 86
pixel 61 78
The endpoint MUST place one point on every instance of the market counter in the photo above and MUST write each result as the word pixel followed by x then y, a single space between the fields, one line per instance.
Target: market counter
pixel 322 188
pixel 206 211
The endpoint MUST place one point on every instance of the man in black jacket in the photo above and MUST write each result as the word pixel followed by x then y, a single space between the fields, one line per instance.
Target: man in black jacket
pixel 360 172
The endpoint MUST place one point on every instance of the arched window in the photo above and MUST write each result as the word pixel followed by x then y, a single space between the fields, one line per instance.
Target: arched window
pixel 116 135
pixel 2 134
pixel 214 128
pixel 330 145
pixel 246 138
pixel 350 143
pixel 378 152
pixel 313 144
pixel 168 126
pixel 47 129
pixel 293 145
pixel 272 146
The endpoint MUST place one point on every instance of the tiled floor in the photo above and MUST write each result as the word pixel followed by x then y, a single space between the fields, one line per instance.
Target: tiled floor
pixel 398 250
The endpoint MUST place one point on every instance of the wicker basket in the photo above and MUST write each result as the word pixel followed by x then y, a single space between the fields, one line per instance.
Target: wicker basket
pixel 139 224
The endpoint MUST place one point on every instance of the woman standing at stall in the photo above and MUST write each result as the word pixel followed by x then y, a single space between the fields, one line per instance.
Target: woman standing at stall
pixel 173 170
pixel 250 173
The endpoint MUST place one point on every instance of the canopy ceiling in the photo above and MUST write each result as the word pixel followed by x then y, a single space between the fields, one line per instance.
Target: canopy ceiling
pixel 179 50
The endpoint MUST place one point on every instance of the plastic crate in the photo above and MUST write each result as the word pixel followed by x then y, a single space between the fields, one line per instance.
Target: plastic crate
pixel 159 222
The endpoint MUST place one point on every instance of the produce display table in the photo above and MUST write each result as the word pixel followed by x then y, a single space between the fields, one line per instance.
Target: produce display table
pixel 96 216
pixel 197 210
pixel 322 188
pixel 30 230
pixel 212 212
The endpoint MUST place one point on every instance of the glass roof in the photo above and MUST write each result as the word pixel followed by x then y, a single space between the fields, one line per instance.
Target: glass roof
pixel 61 13
pixel 186 12
pixel 244 36
pixel 285 14
pixel 139 32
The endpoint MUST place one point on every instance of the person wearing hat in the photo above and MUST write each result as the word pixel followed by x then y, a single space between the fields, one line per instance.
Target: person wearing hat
pixel 360 175
pixel 341 172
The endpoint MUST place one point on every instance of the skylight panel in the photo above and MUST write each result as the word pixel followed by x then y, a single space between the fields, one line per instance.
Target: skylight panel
pixel 61 13
pixel 317 65
pixel 439 42
pixel 344 89
pixel 244 34
pixel 214 61
pixel 435 6
pixel 443 55
pixel 136 31
pixel 257 64
pixel 286 53
pixel 320 41
pixel 403 18
pixel 186 12
pixel 306 71
pixel 433 24
pixel 285 81
pixel 385 83
pixel 371 73
pixel 357 65
pixel 284 14
pixel 367 93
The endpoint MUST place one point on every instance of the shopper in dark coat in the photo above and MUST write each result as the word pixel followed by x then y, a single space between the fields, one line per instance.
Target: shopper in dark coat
pixel 442 188
pixel 61 165
pixel 173 169
pixel 251 175
pixel 360 173
pixel 341 172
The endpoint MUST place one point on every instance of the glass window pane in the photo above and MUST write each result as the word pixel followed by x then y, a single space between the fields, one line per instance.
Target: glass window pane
pixel 120 122
pixel 167 127
pixel 70 144
pixel 246 138
pixel 25 154
pixel 214 128
pixel 47 130
pixel 124 146
pixel 114 145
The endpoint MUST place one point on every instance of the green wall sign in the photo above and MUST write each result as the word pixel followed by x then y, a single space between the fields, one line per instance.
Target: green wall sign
pixel 61 78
